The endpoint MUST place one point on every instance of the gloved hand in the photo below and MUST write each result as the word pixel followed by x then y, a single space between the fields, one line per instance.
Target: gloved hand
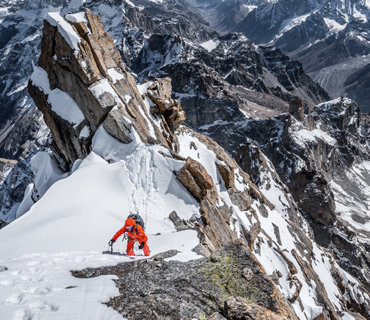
pixel 110 243
pixel 142 244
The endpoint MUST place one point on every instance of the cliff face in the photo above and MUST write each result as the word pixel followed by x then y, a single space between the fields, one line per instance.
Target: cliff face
pixel 81 69
pixel 317 154
pixel 259 247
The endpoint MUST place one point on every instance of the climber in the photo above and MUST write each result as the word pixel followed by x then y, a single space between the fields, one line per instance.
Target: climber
pixel 135 232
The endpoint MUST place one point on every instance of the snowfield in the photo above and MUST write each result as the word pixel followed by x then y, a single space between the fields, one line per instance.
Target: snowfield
pixel 69 229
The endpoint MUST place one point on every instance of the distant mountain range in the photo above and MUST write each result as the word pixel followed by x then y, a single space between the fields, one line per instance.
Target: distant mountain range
pixel 330 38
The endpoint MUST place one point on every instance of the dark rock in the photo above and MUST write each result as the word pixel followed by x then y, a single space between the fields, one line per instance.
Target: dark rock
pixel 178 222
pixel 2 268
pixel 242 309
pixel 3 223
pixel 296 108
pixel 194 289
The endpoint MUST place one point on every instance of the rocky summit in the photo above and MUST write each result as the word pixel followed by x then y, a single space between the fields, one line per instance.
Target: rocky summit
pixel 251 182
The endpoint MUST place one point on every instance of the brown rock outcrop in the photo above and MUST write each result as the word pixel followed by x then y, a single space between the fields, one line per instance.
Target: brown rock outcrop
pixel 237 308
pixel 160 93
pixel 296 108
pixel 92 74
pixel 216 216
pixel 196 179
pixel 227 173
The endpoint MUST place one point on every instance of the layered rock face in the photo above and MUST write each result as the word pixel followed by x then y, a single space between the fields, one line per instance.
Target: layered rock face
pixel 275 243
pixel 85 70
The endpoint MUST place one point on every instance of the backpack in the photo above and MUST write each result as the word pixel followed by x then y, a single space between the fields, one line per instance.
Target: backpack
pixel 139 220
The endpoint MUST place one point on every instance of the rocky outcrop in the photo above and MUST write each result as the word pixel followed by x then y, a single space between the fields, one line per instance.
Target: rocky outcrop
pixel 239 308
pixel 160 93
pixel 5 166
pixel 194 289
pixel 196 179
pixel 80 64
pixel 216 229
pixel 313 156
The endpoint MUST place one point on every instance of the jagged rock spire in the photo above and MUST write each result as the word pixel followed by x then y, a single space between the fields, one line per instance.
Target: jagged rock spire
pixel 81 83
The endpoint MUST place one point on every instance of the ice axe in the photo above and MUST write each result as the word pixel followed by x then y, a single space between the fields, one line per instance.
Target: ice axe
pixel 110 243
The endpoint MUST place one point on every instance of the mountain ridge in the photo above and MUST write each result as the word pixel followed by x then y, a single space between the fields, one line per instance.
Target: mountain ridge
pixel 134 145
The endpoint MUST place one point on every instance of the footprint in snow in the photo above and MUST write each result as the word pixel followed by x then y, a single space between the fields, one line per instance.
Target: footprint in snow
pixel 15 298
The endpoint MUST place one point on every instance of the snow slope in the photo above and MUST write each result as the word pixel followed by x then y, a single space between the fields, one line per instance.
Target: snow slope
pixel 70 226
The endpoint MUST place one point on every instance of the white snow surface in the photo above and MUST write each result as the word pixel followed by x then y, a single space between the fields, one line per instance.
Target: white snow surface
pixel 60 101
pixel 210 45
pixel 102 87
pixel 76 17
pixel 115 75
pixel 334 26
pixel 69 227
pixel 305 135
pixel 65 29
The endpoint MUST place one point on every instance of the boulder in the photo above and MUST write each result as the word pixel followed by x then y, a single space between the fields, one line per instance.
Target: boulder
pixel 237 308
pixel 118 126
pixel 160 93
pixel 227 174
pixel 196 179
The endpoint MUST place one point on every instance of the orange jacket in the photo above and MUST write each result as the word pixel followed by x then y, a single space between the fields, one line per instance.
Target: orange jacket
pixel 137 234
